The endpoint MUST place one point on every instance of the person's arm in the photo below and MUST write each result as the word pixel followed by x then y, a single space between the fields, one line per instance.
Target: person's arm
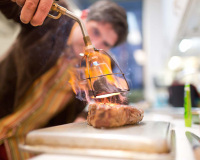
pixel 33 11
pixel 34 52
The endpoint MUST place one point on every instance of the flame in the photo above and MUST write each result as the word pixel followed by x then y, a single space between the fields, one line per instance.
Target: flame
pixel 98 64
pixel 107 104
pixel 78 86
pixel 97 69
pixel 106 95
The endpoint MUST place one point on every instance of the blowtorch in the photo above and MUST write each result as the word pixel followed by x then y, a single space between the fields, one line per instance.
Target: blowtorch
pixel 102 81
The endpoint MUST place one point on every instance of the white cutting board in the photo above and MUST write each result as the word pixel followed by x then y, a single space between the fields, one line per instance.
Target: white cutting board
pixel 147 136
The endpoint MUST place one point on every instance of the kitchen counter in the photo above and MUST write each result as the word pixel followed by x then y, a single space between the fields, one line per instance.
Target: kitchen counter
pixel 182 148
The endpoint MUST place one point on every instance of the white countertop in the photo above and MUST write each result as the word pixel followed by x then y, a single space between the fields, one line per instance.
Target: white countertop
pixel 183 148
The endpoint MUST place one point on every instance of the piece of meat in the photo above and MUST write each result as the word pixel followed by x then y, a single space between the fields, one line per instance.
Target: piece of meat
pixel 113 115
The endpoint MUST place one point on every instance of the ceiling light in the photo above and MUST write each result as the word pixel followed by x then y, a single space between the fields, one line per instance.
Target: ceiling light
pixel 175 63
pixel 185 44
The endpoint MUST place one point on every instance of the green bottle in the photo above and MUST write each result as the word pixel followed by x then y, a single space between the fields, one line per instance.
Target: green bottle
pixel 187 106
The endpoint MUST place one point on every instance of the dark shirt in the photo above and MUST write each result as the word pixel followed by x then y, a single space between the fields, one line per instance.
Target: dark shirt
pixel 34 52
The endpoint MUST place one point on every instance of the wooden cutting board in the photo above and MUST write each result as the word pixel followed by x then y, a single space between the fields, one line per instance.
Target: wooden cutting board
pixel 147 136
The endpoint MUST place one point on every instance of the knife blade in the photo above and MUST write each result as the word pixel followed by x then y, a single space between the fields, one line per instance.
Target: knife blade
pixel 195 143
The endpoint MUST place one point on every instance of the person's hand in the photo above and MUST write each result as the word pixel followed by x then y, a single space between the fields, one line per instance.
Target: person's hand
pixel 34 11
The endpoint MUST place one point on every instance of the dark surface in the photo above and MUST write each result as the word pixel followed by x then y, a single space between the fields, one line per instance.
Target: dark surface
pixel 176 95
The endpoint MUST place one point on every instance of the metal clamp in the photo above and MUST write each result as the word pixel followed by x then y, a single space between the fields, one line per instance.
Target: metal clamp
pixel 54 8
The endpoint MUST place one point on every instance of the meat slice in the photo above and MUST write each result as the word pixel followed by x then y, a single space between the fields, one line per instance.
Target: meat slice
pixel 109 115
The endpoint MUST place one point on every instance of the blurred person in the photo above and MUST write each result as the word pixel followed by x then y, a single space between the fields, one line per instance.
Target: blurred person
pixel 33 86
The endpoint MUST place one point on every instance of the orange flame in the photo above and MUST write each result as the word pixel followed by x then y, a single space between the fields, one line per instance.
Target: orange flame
pixel 97 66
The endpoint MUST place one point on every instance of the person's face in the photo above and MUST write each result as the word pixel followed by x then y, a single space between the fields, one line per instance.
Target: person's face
pixel 101 34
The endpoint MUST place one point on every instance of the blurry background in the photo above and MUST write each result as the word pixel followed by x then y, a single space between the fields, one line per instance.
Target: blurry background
pixel 161 52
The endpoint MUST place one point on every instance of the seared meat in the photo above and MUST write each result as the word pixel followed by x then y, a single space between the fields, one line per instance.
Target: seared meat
pixel 109 115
